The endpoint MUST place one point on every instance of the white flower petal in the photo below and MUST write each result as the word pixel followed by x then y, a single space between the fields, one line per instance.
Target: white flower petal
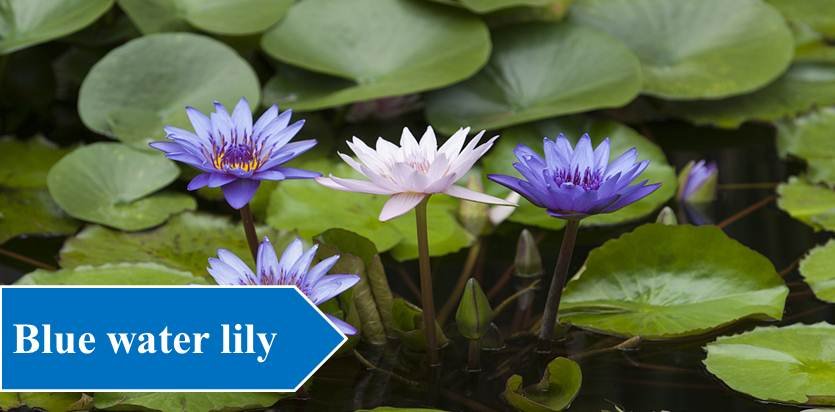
pixel 453 145
pixel 472 195
pixel 352 185
pixel 498 214
pixel 399 204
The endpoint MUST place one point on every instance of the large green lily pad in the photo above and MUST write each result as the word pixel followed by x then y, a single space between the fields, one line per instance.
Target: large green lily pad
pixel 487 6
pixel 809 137
pixel 32 212
pixel 26 162
pixel 310 209
pixel 818 270
pixel 145 84
pixel 662 282
pixel 696 49
pixel 791 364
pixel 811 204
pixel 500 160
pixel 373 48
pixel 539 70
pixel 185 243
pixel 185 402
pixel 112 184
pixel 559 386
pixel 112 274
pixel 804 86
pixel 24 23
pixel 229 17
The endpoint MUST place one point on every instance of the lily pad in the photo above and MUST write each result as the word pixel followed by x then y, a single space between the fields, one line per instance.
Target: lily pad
pixel 704 49
pixel 791 364
pixel 44 401
pixel 373 48
pixel 112 184
pixel 32 212
pixel 228 17
pixel 500 160
pixel 536 71
pixel 663 282
pixel 817 14
pixel 112 274
pixel 145 84
pixel 559 386
pixel 26 163
pixel 487 6
pixel 185 243
pixel 809 137
pixel 186 402
pixel 804 86
pixel 811 204
pixel 818 270
pixel 310 209
pixel 25 23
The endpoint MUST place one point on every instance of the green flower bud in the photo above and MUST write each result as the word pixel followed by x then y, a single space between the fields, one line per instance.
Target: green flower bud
pixel 474 312
pixel 528 261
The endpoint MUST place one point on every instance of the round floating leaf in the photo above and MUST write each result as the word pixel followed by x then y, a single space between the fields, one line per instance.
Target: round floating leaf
pixel 230 17
pixel 310 209
pixel 487 6
pixel 112 274
pixel 144 85
pixel 385 48
pixel 500 160
pixel 803 86
pixel 810 138
pixel 30 212
pixel 791 364
pixel 559 386
pixel 539 70
pixel 185 243
pixel 44 401
pixel 185 402
pixel 811 204
pixel 817 14
pixel 24 23
pixel 26 163
pixel 696 49
pixel 662 282
pixel 818 270
pixel 110 184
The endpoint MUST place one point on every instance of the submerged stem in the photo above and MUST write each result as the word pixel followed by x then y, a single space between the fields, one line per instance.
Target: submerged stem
pixel 249 229
pixel 474 356
pixel 552 304
pixel 426 297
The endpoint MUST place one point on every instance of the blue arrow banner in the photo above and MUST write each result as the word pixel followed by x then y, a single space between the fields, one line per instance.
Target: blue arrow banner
pixel 179 338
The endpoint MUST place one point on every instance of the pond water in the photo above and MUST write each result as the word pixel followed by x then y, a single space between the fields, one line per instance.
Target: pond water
pixel 656 376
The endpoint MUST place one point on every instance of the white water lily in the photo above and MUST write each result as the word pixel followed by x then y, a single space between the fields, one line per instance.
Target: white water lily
pixel 414 170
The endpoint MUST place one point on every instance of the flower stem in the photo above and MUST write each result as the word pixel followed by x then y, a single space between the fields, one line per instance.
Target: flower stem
pixel 474 355
pixel 249 228
pixel 552 304
pixel 426 296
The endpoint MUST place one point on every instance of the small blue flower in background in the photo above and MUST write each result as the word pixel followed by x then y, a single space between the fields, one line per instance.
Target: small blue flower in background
pixel 292 269
pixel 572 183
pixel 697 182
pixel 234 154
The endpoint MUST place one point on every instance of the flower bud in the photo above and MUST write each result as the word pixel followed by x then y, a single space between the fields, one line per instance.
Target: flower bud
pixel 474 312
pixel 667 217
pixel 528 261
pixel 697 182
pixel 473 215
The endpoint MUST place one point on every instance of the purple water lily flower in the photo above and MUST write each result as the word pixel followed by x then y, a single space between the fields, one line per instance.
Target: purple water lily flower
pixel 234 154
pixel 697 175
pixel 292 269
pixel 572 183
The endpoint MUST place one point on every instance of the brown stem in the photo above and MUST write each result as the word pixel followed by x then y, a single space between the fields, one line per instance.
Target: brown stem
pixel 249 228
pixel 746 186
pixel 747 211
pixel 426 294
pixel 27 260
pixel 552 303
pixel 474 356
pixel 505 303
pixel 452 302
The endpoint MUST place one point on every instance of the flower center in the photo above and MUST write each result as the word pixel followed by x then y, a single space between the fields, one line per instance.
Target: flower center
pixel 587 179
pixel 420 165
pixel 237 156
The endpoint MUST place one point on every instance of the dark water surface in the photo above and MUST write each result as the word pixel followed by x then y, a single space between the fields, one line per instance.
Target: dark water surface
pixel 657 376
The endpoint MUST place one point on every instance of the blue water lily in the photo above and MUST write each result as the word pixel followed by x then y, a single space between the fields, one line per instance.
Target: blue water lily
pixel 294 269
pixel 573 183
pixel 235 154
